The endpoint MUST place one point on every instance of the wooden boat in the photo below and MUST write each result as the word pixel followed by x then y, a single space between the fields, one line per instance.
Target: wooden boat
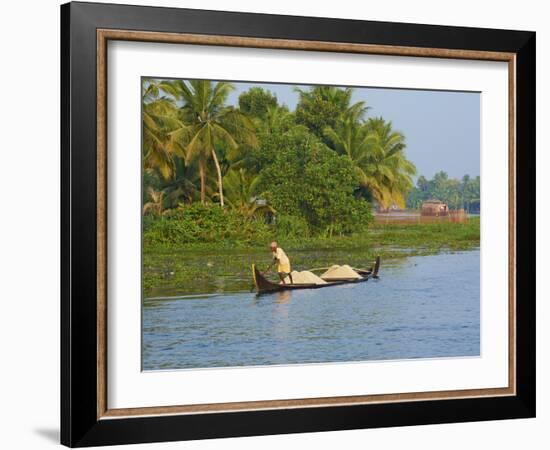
pixel 263 285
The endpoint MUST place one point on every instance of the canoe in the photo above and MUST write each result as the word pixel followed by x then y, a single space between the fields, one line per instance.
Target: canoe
pixel 263 285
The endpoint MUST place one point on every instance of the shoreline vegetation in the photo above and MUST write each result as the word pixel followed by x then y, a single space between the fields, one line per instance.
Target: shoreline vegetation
pixel 221 181
pixel 198 267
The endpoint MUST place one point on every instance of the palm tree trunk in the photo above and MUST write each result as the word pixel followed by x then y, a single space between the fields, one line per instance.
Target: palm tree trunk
pixel 202 177
pixel 219 171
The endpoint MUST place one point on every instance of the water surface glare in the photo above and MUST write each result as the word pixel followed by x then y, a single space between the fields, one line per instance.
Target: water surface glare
pixel 421 307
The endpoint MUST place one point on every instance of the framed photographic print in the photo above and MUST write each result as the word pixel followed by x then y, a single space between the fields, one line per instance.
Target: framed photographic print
pixel 276 224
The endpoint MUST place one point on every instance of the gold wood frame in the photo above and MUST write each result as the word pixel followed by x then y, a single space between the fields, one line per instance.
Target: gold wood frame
pixel 103 36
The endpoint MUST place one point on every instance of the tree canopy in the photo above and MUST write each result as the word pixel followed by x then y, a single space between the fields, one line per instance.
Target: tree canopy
pixel 256 102
pixel 308 180
pixel 315 170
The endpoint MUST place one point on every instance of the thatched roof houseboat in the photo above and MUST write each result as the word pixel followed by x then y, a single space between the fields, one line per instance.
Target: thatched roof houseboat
pixel 434 207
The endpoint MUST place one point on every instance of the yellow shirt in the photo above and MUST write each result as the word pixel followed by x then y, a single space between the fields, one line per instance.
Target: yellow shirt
pixel 283 263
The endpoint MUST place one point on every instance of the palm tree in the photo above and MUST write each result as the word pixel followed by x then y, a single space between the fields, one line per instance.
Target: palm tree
pixel 156 204
pixel 377 152
pixel 183 187
pixel 321 106
pixel 331 94
pixel 277 118
pixel 350 137
pixel 206 123
pixel 159 115
pixel 241 189
pixel 391 169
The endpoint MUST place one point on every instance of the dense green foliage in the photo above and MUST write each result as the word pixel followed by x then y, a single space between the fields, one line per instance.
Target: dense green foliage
pixel 274 172
pixel 204 223
pixel 321 107
pixel 309 180
pixel 458 194
pixel 377 152
pixel 256 102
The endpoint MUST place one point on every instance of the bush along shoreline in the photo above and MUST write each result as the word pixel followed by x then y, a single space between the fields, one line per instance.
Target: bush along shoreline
pixel 207 226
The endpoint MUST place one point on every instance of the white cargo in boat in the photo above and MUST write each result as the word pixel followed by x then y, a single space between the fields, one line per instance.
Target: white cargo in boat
pixel 337 272
pixel 304 277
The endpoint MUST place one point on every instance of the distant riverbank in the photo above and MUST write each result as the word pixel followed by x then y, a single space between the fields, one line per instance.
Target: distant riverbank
pixel 223 266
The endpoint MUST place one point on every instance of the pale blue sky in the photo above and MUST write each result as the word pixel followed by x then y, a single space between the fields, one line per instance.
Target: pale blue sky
pixel 442 128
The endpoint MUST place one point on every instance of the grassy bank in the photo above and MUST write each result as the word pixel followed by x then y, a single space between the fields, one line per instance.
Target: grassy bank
pixel 204 267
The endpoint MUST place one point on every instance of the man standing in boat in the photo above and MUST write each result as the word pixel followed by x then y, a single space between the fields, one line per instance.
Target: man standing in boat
pixel 282 261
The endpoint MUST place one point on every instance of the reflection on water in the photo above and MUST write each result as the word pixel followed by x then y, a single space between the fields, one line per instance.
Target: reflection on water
pixel 282 297
pixel 422 307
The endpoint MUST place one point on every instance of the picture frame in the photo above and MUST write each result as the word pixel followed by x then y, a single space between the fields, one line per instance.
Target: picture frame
pixel 86 418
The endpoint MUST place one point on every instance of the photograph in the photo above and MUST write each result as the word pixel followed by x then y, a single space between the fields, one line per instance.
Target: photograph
pixel 304 224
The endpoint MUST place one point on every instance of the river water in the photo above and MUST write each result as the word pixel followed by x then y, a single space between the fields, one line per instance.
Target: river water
pixel 420 307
